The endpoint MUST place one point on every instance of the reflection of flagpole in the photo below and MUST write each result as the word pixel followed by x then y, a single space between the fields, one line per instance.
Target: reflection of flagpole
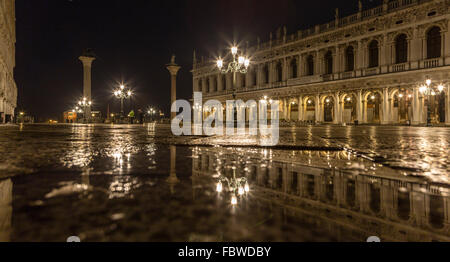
pixel 5 210
pixel 173 180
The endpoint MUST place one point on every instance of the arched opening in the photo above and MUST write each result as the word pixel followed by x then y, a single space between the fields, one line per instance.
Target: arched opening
pixel 243 80
pixel 437 212
pixel 401 108
pixel 279 71
pixel 310 65
pixel 266 74
pixel 294 108
pixel 403 205
pixel 328 112
pixel 349 108
pixel 373 54
pixel 437 107
pixel 434 42
pixel 294 68
pixel 328 63
pixel 199 86
pixel 254 77
pixel 350 59
pixel 310 110
pixel 401 49
pixel 373 108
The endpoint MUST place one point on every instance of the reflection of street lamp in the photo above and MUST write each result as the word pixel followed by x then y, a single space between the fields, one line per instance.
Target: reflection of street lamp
pixel 236 186
pixel 430 90
pixel 122 94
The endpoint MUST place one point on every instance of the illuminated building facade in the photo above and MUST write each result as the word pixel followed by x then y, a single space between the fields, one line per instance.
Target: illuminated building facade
pixel 369 67
pixel 8 88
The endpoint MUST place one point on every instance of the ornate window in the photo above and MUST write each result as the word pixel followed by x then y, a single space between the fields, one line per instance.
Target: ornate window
pixel 279 69
pixel 401 49
pixel 328 63
pixel 266 74
pixel 294 68
pixel 254 77
pixel 310 65
pixel 350 59
pixel 434 43
pixel 373 54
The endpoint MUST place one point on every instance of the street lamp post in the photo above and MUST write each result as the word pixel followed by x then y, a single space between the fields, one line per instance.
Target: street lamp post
pixel 122 94
pixel 239 64
pixel 85 105
pixel 430 90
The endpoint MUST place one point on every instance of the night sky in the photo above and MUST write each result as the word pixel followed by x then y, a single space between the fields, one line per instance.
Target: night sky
pixel 134 39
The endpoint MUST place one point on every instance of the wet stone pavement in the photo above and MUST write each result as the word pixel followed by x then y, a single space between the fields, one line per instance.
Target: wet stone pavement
pixel 140 183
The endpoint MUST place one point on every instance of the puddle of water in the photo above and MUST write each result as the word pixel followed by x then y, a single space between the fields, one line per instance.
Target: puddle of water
pixel 128 184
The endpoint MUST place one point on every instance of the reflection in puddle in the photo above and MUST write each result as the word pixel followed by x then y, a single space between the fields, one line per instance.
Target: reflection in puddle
pixel 131 184
pixel 350 203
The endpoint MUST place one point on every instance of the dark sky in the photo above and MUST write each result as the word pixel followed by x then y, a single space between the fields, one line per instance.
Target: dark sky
pixel 134 39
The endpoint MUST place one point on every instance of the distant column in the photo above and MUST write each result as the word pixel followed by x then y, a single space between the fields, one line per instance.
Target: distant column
pixel 87 60
pixel 173 69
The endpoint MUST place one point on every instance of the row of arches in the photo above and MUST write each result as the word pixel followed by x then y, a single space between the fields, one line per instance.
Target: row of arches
pixel 380 197
pixel 371 107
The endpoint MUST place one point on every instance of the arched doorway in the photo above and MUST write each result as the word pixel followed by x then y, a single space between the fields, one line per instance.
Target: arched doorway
pixel 328 109
pixel 437 107
pixel 310 109
pixel 373 109
pixel 401 105
pixel 349 114
pixel 294 110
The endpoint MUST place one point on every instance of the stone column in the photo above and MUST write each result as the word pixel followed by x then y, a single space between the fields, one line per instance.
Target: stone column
pixel 173 70
pixel 384 55
pixel 447 107
pixel 87 60
pixel 172 180
pixel 385 107
pixel 447 46
pixel 337 114
pixel 300 108
pixel 416 108
pixel 359 59
pixel 364 111
pixel 317 108
pixel 416 49
pixel 359 106
pixel 284 109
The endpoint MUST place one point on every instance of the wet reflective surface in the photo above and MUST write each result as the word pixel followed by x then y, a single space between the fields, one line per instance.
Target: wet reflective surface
pixel 139 183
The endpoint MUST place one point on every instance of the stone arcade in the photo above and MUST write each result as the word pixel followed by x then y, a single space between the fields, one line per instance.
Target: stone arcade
pixel 367 67
pixel 8 88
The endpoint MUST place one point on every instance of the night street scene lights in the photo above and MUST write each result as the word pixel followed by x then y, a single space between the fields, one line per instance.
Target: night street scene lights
pixel 122 93
pixel 239 64
pixel 430 90
pixel 235 186
pixel 83 106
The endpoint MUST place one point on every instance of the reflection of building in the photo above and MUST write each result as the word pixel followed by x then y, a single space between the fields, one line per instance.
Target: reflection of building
pixel 5 210
pixel 365 67
pixel 8 88
pixel 395 208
